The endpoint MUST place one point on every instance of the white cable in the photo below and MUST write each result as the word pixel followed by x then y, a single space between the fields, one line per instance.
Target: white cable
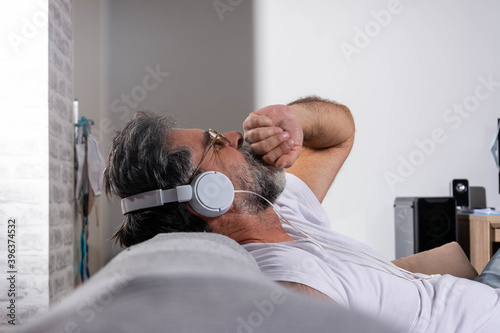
pixel 365 256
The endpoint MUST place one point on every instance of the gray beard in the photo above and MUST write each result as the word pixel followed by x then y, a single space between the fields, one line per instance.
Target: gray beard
pixel 265 180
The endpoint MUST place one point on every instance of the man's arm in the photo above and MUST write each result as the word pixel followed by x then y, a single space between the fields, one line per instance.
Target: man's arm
pixel 311 136
pixel 328 129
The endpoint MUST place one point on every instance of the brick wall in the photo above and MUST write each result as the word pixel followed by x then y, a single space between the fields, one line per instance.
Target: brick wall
pixel 61 129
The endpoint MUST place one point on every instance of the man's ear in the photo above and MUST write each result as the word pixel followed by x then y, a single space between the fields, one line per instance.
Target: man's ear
pixel 192 211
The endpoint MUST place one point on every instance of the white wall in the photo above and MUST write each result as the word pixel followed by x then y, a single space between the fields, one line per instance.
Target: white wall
pixel 401 86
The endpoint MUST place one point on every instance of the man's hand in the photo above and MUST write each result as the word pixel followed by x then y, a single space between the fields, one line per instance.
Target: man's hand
pixel 275 134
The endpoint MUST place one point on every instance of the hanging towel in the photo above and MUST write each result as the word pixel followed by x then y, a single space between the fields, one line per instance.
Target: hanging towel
pixel 96 164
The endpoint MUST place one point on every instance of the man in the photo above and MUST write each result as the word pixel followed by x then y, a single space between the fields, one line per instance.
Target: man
pixel 311 138
pixel 149 154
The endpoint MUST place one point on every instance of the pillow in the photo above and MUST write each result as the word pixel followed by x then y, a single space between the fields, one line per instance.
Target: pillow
pixel 446 259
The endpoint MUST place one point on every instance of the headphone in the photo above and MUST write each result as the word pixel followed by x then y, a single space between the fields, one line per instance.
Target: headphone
pixel 210 194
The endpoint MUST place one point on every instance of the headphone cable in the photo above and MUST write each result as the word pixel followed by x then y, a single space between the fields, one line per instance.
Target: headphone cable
pixel 361 254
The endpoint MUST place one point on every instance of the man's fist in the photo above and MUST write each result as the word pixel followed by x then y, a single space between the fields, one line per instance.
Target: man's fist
pixel 275 134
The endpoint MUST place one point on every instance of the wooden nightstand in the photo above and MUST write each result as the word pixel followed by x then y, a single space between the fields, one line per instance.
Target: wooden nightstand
pixel 484 230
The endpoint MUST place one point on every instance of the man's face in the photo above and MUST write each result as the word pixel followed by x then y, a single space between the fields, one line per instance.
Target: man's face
pixel 237 161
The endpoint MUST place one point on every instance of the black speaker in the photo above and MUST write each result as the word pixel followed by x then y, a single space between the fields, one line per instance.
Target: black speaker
pixel 477 197
pixel 424 223
pixel 459 189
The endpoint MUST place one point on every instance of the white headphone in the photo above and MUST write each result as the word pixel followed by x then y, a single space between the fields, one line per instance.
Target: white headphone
pixel 210 194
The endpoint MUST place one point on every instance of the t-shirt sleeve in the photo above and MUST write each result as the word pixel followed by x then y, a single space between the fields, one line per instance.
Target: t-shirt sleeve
pixel 298 203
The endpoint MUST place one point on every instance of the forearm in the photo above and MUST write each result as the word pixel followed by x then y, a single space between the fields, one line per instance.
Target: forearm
pixel 324 123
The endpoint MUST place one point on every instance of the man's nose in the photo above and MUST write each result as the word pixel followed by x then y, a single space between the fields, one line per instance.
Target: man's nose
pixel 236 139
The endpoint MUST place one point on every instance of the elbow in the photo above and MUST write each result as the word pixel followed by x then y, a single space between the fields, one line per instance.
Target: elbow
pixel 350 126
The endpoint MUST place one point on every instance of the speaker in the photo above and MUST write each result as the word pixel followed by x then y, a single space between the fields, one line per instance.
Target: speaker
pixel 423 223
pixel 210 194
pixel 459 189
pixel 477 197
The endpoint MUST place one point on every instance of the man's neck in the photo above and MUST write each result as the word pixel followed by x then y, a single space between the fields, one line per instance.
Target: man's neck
pixel 263 227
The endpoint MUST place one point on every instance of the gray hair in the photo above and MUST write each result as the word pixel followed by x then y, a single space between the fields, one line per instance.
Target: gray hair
pixel 141 160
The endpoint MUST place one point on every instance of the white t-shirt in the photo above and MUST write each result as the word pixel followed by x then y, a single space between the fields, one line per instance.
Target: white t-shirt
pixel 440 304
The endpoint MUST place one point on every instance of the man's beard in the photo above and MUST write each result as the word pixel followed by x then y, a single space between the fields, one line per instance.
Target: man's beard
pixel 265 180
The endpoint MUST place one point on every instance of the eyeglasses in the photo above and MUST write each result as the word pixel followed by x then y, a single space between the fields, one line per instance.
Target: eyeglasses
pixel 216 138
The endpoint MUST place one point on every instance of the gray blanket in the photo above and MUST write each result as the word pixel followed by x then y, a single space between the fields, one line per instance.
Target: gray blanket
pixel 191 282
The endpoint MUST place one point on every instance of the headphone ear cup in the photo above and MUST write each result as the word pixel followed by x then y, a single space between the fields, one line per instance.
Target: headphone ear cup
pixel 213 194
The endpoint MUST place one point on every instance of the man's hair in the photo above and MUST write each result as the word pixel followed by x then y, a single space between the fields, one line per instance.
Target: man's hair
pixel 141 160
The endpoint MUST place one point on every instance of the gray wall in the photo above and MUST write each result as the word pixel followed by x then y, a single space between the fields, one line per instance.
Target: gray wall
pixel 203 63
pixel 208 61
pixel 87 87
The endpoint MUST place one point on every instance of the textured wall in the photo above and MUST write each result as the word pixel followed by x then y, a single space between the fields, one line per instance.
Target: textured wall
pixel 61 129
